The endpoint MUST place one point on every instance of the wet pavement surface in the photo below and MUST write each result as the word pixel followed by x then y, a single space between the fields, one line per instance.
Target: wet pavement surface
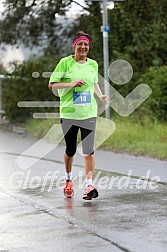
pixel 35 216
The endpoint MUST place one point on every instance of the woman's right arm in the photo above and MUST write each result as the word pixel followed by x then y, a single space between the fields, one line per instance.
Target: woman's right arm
pixel 57 75
pixel 60 85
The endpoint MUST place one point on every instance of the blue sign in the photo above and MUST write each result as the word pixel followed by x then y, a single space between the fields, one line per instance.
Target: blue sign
pixel 107 28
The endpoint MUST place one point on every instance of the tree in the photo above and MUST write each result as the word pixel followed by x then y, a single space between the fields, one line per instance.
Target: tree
pixel 2 68
pixel 23 86
pixel 32 22
pixel 156 105
pixel 139 30
pixel 90 22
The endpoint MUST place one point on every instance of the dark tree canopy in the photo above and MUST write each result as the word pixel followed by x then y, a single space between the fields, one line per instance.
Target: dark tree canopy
pixel 31 22
pixel 138 35
pixel 138 28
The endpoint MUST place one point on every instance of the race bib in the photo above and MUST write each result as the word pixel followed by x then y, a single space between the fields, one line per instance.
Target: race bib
pixel 82 98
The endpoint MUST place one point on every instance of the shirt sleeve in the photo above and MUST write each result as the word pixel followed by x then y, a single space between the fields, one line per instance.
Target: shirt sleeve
pixel 58 72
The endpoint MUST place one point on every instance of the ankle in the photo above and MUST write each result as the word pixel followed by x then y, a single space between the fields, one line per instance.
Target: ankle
pixel 68 176
pixel 88 182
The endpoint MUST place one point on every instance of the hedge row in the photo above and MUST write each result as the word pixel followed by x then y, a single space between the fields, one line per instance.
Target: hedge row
pixel 23 85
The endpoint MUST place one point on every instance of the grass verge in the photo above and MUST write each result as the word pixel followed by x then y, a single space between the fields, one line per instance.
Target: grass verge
pixel 144 137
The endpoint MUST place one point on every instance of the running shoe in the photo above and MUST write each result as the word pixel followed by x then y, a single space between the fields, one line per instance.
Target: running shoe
pixel 68 189
pixel 90 192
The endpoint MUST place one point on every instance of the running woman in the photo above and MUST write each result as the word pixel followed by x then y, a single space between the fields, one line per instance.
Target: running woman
pixel 76 79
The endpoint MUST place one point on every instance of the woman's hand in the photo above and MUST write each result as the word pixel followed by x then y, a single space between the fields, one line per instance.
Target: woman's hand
pixel 104 99
pixel 77 83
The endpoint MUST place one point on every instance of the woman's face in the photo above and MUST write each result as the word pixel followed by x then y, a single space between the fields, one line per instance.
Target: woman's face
pixel 82 48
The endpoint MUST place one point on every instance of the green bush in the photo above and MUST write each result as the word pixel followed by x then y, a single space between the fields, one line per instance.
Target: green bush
pixel 156 105
pixel 21 86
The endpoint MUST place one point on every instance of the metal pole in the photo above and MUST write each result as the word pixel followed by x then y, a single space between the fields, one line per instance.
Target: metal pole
pixel 105 55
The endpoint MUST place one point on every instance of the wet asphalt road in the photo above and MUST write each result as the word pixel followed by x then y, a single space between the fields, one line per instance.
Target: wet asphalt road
pixel 35 216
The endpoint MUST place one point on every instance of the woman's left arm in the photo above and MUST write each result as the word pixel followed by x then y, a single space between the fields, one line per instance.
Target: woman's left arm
pixel 103 98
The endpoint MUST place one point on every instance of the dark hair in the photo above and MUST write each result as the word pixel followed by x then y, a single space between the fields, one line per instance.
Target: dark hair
pixel 81 33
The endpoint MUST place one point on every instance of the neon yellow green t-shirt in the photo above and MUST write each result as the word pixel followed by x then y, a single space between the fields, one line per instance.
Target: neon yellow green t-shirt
pixel 76 103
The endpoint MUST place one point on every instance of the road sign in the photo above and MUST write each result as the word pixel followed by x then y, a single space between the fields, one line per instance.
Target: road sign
pixel 105 28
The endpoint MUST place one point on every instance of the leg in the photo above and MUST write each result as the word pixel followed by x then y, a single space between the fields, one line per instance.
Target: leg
pixel 89 166
pixel 87 136
pixel 70 132
pixel 90 191
pixel 70 135
pixel 68 162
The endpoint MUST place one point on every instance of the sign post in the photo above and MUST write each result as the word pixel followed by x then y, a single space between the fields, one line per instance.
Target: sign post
pixel 105 29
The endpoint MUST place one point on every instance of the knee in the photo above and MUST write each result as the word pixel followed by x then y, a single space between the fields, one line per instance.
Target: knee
pixel 89 156
pixel 70 152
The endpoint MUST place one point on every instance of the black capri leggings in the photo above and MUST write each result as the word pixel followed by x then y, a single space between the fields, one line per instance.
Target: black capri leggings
pixel 70 129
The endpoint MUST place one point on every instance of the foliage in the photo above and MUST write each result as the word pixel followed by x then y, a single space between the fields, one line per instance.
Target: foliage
pixel 32 22
pixel 156 78
pixel 89 23
pixel 139 30
pixel 138 35
pixel 21 86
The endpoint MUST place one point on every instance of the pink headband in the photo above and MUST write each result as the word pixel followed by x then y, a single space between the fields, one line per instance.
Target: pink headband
pixel 80 38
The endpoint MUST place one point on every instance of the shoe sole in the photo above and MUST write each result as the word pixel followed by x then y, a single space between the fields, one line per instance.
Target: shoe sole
pixel 87 198
pixel 91 194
